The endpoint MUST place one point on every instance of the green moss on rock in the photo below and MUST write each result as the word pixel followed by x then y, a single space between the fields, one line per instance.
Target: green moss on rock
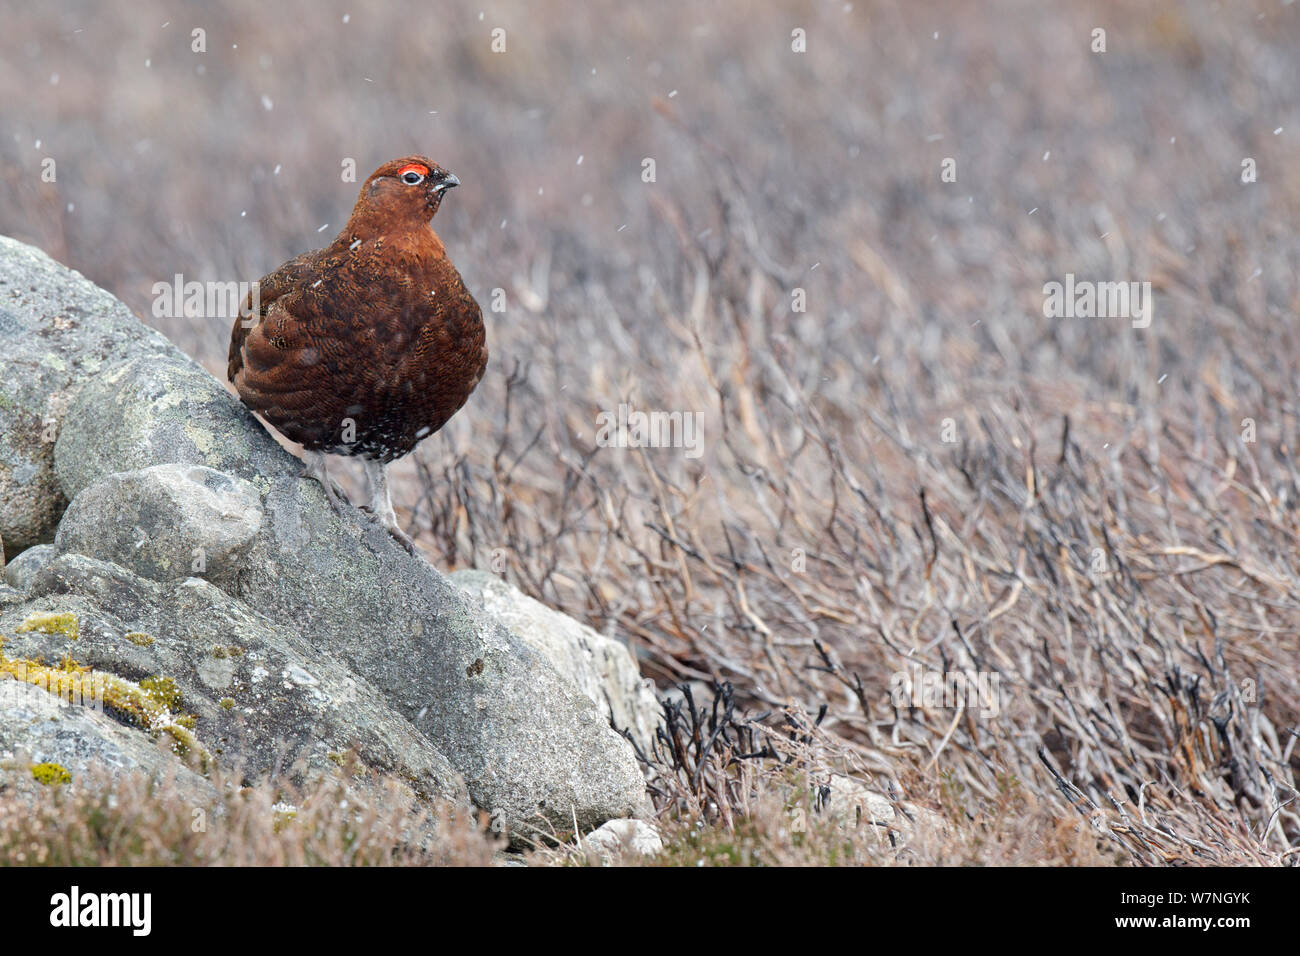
pixel 163 691
pixel 65 624
pixel 147 705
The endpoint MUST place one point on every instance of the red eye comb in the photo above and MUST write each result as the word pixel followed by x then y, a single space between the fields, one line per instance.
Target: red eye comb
pixel 413 168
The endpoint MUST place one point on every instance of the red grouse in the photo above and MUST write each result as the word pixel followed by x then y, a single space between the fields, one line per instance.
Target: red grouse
pixel 369 345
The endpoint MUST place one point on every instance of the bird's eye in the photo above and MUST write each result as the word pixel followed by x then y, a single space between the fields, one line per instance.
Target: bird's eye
pixel 412 178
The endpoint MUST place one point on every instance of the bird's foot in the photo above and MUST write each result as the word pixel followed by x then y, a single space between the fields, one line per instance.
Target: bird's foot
pixel 313 466
pixel 381 505
pixel 399 535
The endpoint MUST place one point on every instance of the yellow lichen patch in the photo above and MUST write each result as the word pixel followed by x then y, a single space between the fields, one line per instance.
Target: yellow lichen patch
pixel 203 439
pixel 230 650
pixel 65 624
pixel 183 741
pixel 139 638
pixel 130 702
pixel 162 691
pixel 283 814
pixel 67 681
pixel 68 666
pixel 227 703
pixel 50 773
pixel 147 705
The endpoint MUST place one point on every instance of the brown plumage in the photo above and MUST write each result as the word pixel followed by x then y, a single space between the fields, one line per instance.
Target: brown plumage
pixel 369 345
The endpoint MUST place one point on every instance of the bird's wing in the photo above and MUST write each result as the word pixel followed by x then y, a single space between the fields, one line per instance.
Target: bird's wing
pixel 270 289
pixel 285 372
pixel 296 364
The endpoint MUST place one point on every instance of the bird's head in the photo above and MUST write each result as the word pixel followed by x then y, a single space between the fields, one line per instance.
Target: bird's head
pixel 407 189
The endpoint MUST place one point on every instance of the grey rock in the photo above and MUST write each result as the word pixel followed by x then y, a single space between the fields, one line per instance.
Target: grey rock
pixel 616 838
pixel 534 750
pixel 19 571
pixel 58 329
pixel 157 411
pixel 599 666
pixel 268 703
pixel 9 595
pixel 165 522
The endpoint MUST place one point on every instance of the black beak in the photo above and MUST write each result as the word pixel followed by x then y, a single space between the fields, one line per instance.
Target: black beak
pixel 447 182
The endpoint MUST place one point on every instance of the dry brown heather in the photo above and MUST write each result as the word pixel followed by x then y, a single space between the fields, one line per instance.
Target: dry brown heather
pixel 1099 535
pixel 138 822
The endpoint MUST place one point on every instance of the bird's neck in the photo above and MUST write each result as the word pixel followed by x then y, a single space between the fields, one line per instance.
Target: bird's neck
pixel 411 236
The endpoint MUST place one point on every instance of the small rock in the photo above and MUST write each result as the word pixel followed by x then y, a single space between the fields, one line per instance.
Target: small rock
pixel 165 522
pixel 852 805
pixel 600 667
pixel 23 568
pixel 617 837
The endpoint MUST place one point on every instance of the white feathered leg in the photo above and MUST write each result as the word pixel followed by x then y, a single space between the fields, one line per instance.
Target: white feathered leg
pixel 381 504
pixel 313 466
